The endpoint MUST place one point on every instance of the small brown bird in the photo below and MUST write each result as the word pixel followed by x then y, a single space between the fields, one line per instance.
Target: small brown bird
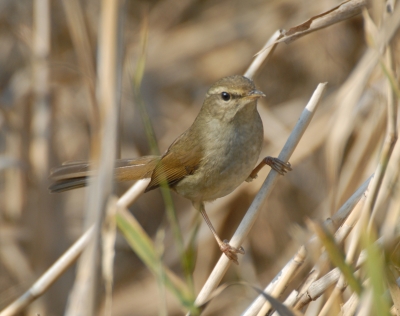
pixel 208 161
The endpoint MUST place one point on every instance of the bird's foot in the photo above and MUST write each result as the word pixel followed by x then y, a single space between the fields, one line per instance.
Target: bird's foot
pixel 275 163
pixel 251 178
pixel 231 252
pixel 278 165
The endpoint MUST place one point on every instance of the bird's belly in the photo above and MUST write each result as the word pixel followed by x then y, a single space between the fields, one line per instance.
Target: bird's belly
pixel 224 168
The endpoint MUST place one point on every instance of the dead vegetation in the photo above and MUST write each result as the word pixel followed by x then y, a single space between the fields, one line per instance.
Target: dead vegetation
pixel 61 91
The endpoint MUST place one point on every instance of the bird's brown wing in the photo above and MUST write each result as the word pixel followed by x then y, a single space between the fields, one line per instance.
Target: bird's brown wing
pixel 178 162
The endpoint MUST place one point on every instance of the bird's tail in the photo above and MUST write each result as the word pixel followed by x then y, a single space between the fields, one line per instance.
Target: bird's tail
pixel 75 175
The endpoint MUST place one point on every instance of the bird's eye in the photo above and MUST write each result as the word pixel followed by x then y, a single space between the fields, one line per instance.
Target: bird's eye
pixel 225 96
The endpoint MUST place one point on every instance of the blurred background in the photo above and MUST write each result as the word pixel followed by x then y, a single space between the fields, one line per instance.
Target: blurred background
pixel 191 44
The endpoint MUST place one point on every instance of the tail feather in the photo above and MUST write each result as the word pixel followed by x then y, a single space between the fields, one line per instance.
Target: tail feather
pixel 68 184
pixel 75 174
pixel 71 170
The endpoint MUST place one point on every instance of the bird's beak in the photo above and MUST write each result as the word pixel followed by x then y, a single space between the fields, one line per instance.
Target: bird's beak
pixel 255 94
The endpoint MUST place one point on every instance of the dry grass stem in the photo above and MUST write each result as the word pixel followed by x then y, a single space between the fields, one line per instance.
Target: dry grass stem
pixel 343 11
pixel 80 38
pixel 288 302
pixel 82 297
pixel 261 57
pixel 281 281
pixel 320 286
pixel 251 214
pixel 285 278
pixel 388 145
pixel 350 93
pixel 282 278
pixel 67 70
pixel 52 274
pixel 69 257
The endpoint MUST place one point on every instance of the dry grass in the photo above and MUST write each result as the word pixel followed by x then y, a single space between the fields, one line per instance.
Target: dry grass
pixel 62 78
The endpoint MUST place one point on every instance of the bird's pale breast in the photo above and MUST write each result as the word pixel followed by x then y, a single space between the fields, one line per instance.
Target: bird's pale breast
pixel 228 161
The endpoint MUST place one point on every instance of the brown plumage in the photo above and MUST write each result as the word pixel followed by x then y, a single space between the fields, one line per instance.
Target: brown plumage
pixel 208 161
pixel 74 175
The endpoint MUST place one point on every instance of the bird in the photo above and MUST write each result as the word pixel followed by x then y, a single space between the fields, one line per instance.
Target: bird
pixel 209 160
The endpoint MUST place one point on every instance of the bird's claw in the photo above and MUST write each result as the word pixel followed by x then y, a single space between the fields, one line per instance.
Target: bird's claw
pixel 278 165
pixel 251 178
pixel 275 163
pixel 231 252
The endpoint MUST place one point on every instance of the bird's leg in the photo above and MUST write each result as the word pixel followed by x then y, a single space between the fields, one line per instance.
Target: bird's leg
pixel 275 163
pixel 228 250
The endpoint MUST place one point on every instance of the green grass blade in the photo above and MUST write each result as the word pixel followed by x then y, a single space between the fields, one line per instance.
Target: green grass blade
pixel 143 246
pixel 150 134
pixel 375 267
pixel 337 257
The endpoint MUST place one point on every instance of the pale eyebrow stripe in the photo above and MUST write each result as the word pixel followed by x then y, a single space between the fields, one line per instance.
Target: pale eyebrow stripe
pixel 219 90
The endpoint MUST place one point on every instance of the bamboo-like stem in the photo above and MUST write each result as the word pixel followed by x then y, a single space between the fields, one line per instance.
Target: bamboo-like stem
pixel 288 302
pixel 48 278
pixel 304 296
pixel 251 215
pixel 82 298
pixel 69 257
pixel 261 57
pixel 109 229
pixel 351 221
pixel 369 209
pixel 319 287
pixel 284 279
pixel 285 274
